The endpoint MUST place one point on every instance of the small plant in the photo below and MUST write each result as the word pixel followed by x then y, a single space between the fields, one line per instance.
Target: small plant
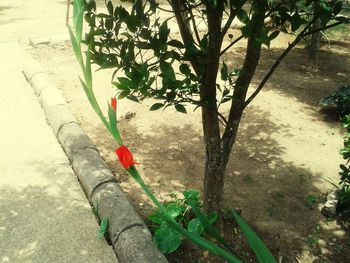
pixel 166 239
pixel 338 101
pixel 344 189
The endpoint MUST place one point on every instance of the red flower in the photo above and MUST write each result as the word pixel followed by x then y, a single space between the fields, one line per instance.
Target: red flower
pixel 125 157
pixel 114 103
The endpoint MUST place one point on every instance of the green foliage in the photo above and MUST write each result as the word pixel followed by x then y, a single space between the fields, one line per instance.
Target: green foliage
pixel 338 101
pixel 103 228
pixel 150 63
pixel 256 244
pixel 344 190
pixel 186 212
pixel 181 211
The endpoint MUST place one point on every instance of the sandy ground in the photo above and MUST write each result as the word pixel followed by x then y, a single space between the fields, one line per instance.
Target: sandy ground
pixel 285 151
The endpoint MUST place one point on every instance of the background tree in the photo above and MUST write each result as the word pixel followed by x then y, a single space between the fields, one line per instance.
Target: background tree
pixel 151 64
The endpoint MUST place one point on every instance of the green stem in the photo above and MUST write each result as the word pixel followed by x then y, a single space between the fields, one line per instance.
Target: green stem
pixel 194 238
pixel 136 175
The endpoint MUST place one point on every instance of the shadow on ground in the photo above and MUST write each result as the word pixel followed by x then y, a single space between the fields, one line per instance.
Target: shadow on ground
pixel 42 221
pixel 303 81
pixel 173 160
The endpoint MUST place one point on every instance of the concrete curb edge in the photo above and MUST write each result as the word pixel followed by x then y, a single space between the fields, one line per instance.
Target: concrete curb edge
pixel 130 238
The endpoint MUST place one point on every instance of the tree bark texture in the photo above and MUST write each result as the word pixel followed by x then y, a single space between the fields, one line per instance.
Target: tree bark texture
pixel 218 150
pixel 214 168
pixel 316 36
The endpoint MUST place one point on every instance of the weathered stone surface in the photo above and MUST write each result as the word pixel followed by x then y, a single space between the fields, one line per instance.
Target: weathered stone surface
pixel 113 204
pixel 39 82
pixel 50 97
pixel 73 139
pixel 135 245
pixel 58 115
pixel 91 170
pixel 30 68
pixel 330 207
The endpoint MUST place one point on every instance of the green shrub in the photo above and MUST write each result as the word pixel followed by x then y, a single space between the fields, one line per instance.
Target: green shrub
pixel 344 190
pixel 338 101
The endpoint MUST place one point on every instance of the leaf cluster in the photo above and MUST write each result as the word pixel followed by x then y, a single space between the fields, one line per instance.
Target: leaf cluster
pixel 148 62
pixel 166 238
pixel 338 101
pixel 344 190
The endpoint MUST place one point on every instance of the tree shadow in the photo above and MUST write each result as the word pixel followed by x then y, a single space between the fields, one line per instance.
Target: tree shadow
pixel 47 219
pixel 296 76
pixel 279 198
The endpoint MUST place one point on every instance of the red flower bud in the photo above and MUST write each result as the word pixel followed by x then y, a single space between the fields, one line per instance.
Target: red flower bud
pixel 125 157
pixel 114 103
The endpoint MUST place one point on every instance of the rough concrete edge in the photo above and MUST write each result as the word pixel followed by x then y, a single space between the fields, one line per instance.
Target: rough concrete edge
pixel 61 119
pixel 329 209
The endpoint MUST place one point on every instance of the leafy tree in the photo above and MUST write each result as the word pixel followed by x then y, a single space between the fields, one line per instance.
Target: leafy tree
pixel 149 63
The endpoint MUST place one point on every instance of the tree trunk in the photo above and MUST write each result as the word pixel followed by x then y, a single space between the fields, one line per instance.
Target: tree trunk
pixel 218 149
pixel 214 168
pixel 315 37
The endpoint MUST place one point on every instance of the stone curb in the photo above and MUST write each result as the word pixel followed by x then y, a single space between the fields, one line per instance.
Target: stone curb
pixel 131 239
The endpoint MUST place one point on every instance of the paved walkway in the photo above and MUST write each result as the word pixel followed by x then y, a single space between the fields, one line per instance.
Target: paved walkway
pixel 44 215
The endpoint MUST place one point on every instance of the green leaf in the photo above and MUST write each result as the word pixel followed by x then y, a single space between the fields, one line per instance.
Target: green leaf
pixel 212 217
pixel 311 199
pixel 87 73
pixel 156 218
pixel 242 16
pixel 337 7
pixel 123 94
pixel 191 195
pixel 273 35
pixel 200 241
pixel 132 98
pixel 78 9
pixel 195 226
pixel 295 21
pixel 167 239
pixel 256 244
pixel 224 72
pixel 112 115
pixel 176 43
pixel 124 83
pixel 207 225
pixel 76 48
pixel 180 108
pixel 174 210
pixel 342 19
pixel 156 106
pixel 167 70
pixel 110 7
pixel 103 228
pixel 246 31
pixel 185 69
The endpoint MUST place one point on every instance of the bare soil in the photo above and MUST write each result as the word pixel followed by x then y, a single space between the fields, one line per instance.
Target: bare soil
pixel 286 149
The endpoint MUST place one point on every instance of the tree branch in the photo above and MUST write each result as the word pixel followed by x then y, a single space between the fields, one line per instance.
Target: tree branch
pixel 242 83
pixel 278 61
pixel 321 29
pixel 231 44
pixel 229 21
pixel 179 10
pixel 184 30
pixel 194 25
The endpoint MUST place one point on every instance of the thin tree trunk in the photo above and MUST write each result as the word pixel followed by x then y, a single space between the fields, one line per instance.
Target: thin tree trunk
pixel 214 172
pixel 315 37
